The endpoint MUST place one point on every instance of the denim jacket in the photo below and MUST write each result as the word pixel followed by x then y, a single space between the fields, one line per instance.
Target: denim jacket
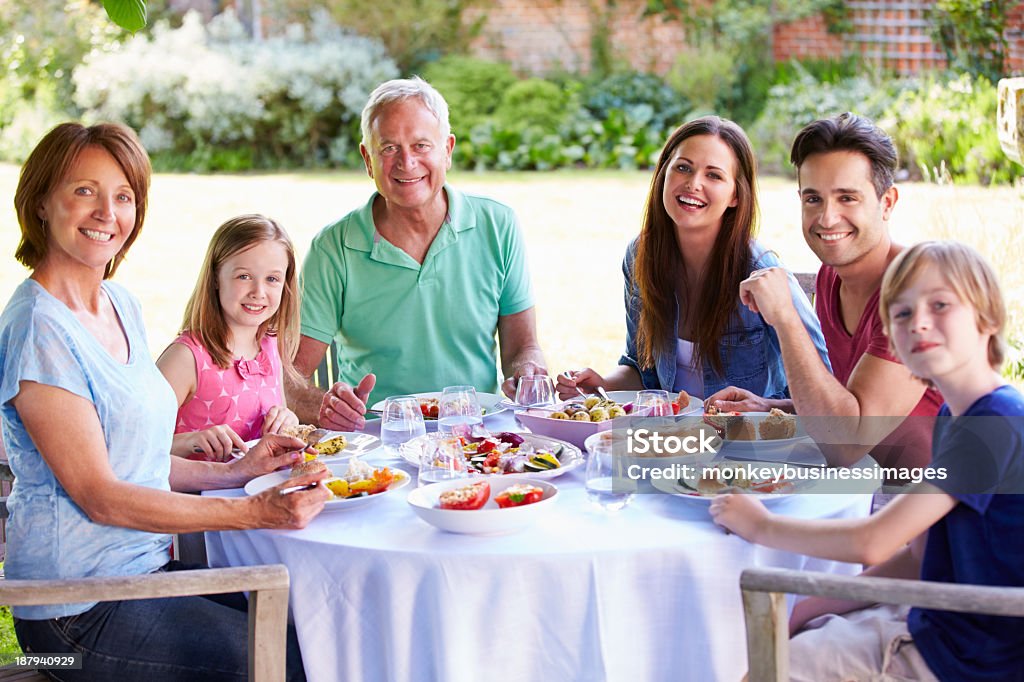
pixel 751 355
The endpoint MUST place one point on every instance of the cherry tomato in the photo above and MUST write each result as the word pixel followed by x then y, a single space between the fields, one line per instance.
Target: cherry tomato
pixel 675 408
pixel 519 495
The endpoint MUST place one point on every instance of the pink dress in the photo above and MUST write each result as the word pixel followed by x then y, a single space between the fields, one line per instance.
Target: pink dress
pixel 238 396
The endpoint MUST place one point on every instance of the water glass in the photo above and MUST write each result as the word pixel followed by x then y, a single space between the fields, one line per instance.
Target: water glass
pixel 458 410
pixel 441 459
pixel 535 391
pixel 400 420
pixel 652 403
pixel 608 486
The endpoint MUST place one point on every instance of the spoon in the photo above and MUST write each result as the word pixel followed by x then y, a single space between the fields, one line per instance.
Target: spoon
pixel 604 394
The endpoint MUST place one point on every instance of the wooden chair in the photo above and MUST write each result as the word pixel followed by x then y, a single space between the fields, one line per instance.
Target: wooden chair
pixel 807 280
pixel 764 605
pixel 327 374
pixel 268 603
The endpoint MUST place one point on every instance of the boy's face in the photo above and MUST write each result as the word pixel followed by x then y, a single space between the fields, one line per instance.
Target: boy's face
pixel 934 332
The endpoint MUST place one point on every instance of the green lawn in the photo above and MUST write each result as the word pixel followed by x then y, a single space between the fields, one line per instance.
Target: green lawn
pixel 577 225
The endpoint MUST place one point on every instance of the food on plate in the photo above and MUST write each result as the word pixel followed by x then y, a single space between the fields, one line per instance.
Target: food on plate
pixel 558 415
pixel 591 402
pixel 730 425
pixel 598 414
pixel 581 416
pixel 519 495
pixel 777 425
pixel 300 431
pixel 507 453
pixel 713 481
pixel 429 408
pixel 360 480
pixel 331 446
pixel 309 466
pixel 467 497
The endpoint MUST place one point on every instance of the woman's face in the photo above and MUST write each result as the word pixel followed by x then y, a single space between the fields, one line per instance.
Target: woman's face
pixel 700 183
pixel 90 213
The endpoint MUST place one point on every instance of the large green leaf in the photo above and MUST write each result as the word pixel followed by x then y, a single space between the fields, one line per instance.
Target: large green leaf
pixel 128 14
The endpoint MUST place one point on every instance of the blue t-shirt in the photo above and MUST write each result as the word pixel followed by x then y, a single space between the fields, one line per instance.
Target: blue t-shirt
pixel 48 535
pixel 979 542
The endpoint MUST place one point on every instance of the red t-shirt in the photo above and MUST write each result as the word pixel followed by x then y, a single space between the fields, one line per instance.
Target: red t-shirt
pixel 910 444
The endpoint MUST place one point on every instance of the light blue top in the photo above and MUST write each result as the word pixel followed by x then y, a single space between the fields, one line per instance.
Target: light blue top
pixel 418 327
pixel 48 535
pixel 751 355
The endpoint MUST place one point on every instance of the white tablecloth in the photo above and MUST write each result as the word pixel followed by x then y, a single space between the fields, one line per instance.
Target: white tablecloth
pixel 649 593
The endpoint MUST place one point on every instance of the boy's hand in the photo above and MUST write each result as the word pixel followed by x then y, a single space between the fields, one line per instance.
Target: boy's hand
pixel 741 514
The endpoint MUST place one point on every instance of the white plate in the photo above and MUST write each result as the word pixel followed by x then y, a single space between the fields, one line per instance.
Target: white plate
pixel 367 443
pixel 261 483
pixel 489 403
pixel 673 487
pixel 489 519
pixel 799 448
pixel 570 457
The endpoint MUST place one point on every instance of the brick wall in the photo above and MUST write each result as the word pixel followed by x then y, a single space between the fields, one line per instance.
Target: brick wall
pixel 891 33
pixel 539 36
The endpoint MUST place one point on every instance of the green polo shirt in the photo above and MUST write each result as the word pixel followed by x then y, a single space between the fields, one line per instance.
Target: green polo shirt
pixel 417 327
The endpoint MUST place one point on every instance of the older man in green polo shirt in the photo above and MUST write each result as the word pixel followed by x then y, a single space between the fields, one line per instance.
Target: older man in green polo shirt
pixel 415 283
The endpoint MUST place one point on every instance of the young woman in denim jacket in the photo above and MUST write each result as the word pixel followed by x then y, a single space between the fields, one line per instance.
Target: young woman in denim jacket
pixel 685 326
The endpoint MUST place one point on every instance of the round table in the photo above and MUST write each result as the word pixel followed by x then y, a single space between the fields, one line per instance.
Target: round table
pixel 648 593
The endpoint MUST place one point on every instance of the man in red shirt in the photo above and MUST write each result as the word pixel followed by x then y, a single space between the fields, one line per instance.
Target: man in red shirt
pixel 845 168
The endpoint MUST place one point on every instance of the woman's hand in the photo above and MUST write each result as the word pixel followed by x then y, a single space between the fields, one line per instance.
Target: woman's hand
pixel 740 514
pixel 293 510
pixel 733 399
pixel 586 380
pixel 278 417
pixel 270 454
pixel 212 445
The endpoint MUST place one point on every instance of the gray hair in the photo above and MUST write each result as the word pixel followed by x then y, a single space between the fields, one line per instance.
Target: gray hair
pixel 401 89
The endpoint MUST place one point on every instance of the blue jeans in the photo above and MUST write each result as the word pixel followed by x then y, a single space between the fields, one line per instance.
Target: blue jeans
pixel 186 639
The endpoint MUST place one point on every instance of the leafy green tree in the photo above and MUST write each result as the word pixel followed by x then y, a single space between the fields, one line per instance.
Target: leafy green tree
pixel 971 32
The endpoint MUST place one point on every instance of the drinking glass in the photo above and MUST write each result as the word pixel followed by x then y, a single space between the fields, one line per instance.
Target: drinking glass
pixel 652 403
pixel 607 485
pixel 400 420
pixel 458 410
pixel 535 391
pixel 441 459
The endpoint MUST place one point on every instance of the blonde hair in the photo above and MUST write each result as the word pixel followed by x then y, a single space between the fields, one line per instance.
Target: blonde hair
pixel 968 274
pixel 204 318
pixel 51 161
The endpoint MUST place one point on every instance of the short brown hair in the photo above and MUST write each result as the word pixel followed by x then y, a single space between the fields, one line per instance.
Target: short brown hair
pixel 49 163
pixel 204 317
pixel 968 274
pixel 851 133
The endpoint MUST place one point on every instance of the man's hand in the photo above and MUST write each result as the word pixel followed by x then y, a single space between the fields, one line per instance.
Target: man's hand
pixel 767 293
pixel 526 369
pixel 343 407
pixel 734 399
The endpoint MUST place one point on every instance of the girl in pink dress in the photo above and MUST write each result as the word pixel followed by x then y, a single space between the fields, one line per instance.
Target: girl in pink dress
pixel 226 367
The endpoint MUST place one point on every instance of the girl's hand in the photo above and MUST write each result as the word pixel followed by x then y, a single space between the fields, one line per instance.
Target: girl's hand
pixel 213 444
pixel 586 380
pixel 741 514
pixel 277 418
pixel 294 510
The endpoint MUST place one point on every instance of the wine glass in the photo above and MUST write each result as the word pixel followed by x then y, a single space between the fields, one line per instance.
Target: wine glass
pixel 652 403
pixel 441 459
pixel 535 391
pixel 608 486
pixel 458 410
pixel 400 420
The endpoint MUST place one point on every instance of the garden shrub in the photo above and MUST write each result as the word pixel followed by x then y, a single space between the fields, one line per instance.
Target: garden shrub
pixel 291 100
pixel 632 91
pixel 949 128
pixel 472 87
pixel 705 77
pixel 533 102
pixel 793 105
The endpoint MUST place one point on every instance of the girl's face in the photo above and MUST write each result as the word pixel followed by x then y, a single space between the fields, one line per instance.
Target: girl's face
pixel 250 284
pixel 90 213
pixel 934 332
pixel 700 182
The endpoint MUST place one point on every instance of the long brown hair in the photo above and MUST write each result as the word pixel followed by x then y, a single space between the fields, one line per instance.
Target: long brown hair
pixel 658 263
pixel 204 318
pixel 50 162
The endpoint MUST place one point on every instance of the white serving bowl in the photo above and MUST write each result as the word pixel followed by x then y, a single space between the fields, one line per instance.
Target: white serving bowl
pixel 489 519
